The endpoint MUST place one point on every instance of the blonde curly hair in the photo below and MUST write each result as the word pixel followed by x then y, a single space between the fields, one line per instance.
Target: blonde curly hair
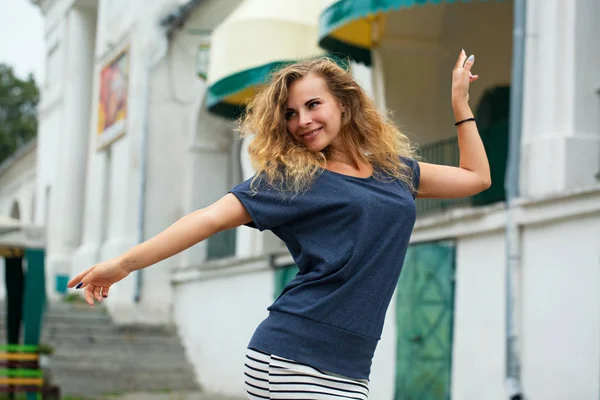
pixel 288 165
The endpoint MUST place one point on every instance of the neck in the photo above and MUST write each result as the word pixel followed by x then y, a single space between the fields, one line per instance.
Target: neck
pixel 350 157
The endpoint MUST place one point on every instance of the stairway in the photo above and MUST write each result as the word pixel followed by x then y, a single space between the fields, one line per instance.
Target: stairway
pixel 93 357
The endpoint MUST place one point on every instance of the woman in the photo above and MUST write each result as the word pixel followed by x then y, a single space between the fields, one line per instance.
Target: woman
pixel 336 182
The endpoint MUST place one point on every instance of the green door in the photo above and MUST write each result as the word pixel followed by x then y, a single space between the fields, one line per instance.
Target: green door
pixel 424 316
pixel 283 275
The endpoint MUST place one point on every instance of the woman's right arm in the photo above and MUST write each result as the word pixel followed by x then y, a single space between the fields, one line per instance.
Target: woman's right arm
pixel 226 213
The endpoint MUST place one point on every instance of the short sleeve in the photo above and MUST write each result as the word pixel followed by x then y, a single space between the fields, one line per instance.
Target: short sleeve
pixel 416 173
pixel 267 206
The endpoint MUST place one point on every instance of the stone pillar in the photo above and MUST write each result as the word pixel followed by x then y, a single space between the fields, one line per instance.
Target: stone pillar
pixel 95 215
pixel 64 229
pixel 561 144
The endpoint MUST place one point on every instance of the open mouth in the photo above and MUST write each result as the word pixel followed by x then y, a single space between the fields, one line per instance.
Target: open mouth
pixel 311 134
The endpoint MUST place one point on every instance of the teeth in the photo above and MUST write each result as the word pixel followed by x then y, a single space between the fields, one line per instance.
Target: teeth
pixel 311 132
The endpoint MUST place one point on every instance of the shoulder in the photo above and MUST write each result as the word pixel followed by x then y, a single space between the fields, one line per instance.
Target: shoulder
pixel 410 162
pixel 415 172
pixel 261 187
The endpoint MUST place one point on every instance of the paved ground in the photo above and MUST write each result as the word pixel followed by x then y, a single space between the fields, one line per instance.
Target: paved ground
pixel 174 396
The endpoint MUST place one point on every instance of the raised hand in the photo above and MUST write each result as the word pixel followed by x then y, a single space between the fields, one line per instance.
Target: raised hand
pixel 462 77
pixel 97 280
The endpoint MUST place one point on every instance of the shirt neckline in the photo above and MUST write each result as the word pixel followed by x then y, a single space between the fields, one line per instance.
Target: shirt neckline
pixel 351 177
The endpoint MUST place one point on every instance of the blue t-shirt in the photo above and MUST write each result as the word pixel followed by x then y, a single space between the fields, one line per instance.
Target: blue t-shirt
pixel 348 237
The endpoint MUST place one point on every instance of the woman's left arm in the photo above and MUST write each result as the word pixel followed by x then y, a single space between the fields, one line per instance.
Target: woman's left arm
pixel 472 176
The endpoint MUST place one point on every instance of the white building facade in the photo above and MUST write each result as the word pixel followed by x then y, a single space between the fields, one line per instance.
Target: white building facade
pixel 136 131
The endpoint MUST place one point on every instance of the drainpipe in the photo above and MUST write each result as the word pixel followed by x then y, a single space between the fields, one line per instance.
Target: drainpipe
pixel 511 185
pixel 154 60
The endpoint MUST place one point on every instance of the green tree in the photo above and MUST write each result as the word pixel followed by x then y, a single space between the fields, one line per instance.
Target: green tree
pixel 18 111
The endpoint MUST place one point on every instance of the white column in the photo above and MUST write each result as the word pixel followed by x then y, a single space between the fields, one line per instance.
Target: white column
pixel 378 80
pixel 95 214
pixel 364 76
pixel 560 150
pixel 64 230
pixel 207 172
pixel 249 241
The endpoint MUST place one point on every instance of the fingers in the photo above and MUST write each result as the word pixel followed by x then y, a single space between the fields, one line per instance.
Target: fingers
pixel 464 62
pixel 98 292
pixel 462 57
pixel 93 292
pixel 79 277
pixel 469 62
pixel 88 294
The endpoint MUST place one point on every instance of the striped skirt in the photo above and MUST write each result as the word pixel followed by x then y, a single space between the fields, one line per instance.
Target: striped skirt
pixel 271 377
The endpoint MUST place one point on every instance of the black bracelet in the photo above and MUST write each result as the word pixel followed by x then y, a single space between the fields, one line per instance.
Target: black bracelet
pixel 464 120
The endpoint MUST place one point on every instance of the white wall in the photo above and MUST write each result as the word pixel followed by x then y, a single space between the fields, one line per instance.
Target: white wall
pixel 17 188
pixel 189 153
pixel 420 50
pixel 48 130
pixel 383 369
pixel 50 111
pixel 216 318
pixel 479 318
pixel 68 187
pixel 561 128
pixel 112 223
pixel 582 161
pixel 561 309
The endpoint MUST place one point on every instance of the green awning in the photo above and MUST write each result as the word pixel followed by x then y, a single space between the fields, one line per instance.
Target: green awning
pixel 346 26
pixel 258 37
pixel 228 96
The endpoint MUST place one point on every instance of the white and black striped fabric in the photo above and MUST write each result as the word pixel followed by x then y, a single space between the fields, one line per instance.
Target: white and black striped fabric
pixel 271 377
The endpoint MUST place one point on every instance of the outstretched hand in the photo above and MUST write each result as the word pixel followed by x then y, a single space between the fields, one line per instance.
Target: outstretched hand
pixel 97 280
pixel 462 77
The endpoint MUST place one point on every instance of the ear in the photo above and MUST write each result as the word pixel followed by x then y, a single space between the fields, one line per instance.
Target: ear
pixel 345 116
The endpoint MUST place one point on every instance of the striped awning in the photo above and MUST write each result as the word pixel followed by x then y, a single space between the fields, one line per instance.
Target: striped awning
pixel 354 27
pixel 259 36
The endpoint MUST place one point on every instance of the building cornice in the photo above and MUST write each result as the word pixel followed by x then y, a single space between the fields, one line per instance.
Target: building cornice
pixel 529 211
pixel 31 146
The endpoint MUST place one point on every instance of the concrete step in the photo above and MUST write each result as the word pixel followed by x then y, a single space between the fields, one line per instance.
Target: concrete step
pixel 105 329
pixel 179 395
pixel 95 315
pixel 111 340
pixel 92 356
pixel 99 386
pixel 157 356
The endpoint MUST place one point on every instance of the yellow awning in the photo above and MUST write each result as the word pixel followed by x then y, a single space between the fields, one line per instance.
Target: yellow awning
pixel 259 36
pixel 353 27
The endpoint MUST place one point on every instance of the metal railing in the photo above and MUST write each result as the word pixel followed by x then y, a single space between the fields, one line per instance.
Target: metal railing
pixel 444 152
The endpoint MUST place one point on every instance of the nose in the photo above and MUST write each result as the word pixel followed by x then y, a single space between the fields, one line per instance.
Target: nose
pixel 305 119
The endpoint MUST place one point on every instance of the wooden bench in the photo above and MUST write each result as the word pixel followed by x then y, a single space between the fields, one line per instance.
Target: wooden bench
pixel 20 372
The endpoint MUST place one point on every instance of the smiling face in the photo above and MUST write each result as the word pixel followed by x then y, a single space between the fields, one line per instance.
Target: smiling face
pixel 313 114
